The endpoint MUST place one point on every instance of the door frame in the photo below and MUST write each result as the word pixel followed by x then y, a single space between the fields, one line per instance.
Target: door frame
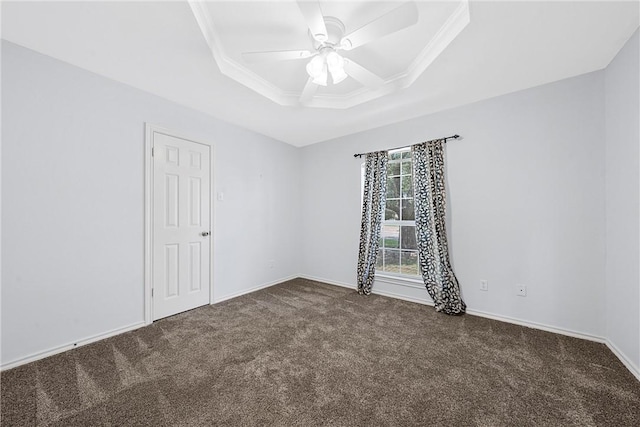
pixel 150 130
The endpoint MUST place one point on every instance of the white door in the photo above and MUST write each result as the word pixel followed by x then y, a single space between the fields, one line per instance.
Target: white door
pixel 181 225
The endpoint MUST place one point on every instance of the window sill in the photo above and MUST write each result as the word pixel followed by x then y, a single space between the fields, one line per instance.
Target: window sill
pixel 399 280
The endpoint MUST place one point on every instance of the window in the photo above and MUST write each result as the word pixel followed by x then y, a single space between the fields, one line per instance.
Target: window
pixel 398 253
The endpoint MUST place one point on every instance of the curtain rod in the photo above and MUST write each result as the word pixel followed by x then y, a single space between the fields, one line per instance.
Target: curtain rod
pixel 456 136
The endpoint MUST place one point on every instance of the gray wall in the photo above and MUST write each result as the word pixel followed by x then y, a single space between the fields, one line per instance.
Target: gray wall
pixel 72 196
pixel 543 189
pixel 623 190
pixel 526 203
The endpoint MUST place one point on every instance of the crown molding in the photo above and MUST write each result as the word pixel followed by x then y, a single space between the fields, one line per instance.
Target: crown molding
pixel 231 68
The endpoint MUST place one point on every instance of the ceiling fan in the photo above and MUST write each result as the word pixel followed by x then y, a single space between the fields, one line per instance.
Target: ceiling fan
pixel 327 35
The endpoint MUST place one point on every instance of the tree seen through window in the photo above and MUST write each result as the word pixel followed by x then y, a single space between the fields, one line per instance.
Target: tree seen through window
pixel 398 253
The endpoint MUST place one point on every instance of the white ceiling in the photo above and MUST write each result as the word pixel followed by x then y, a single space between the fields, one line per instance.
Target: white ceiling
pixel 158 47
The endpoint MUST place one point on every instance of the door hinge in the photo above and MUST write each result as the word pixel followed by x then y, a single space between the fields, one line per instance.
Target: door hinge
pixel 151 292
pixel 152 152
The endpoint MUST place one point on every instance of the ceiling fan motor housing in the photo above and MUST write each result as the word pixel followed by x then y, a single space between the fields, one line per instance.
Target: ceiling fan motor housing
pixel 335 32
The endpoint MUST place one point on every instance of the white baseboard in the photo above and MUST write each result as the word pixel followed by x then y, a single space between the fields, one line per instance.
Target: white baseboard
pixel 529 324
pixel 507 319
pixel 402 297
pixel 113 332
pixel 70 346
pixel 373 291
pixel 624 359
pixel 253 289
pixel 614 349
pixel 536 325
pixel 329 282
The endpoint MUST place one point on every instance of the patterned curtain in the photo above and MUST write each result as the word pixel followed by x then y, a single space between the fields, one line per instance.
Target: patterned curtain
pixel 373 205
pixel 430 205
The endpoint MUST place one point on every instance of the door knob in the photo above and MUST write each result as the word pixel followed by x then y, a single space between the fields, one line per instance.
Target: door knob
pixel 204 233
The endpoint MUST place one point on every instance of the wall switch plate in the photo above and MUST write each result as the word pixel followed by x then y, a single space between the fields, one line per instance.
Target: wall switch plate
pixel 521 290
pixel 484 285
pixel 220 195
pixel 271 263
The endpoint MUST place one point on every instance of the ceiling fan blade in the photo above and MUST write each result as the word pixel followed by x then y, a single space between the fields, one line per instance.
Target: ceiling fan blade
pixel 276 55
pixel 401 17
pixel 361 74
pixel 308 91
pixel 313 16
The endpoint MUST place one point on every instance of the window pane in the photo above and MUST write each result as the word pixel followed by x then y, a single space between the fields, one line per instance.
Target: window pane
pixel 406 168
pixel 393 210
pixel 392 260
pixel 408 212
pixel 409 237
pixel 393 187
pixel 395 156
pixel 379 260
pixel 390 236
pixel 407 186
pixel 406 154
pixel 409 262
pixel 393 169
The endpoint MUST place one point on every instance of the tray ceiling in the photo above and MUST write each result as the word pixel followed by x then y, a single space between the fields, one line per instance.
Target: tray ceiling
pixel 232 28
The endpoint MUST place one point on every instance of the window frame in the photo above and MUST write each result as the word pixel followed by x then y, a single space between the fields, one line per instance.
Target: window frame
pixel 412 280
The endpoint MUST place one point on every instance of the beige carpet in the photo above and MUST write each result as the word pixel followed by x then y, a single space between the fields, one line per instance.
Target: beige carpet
pixel 305 353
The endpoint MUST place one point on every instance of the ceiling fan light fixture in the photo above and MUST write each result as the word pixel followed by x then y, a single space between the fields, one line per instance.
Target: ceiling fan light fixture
pixel 334 61
pixel 335 64
pixel 321 79
pixel 338 75
pixel 315 66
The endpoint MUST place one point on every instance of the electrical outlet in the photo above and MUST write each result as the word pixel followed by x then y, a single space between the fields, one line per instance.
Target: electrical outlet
pixel 484 285
pixel 521 290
